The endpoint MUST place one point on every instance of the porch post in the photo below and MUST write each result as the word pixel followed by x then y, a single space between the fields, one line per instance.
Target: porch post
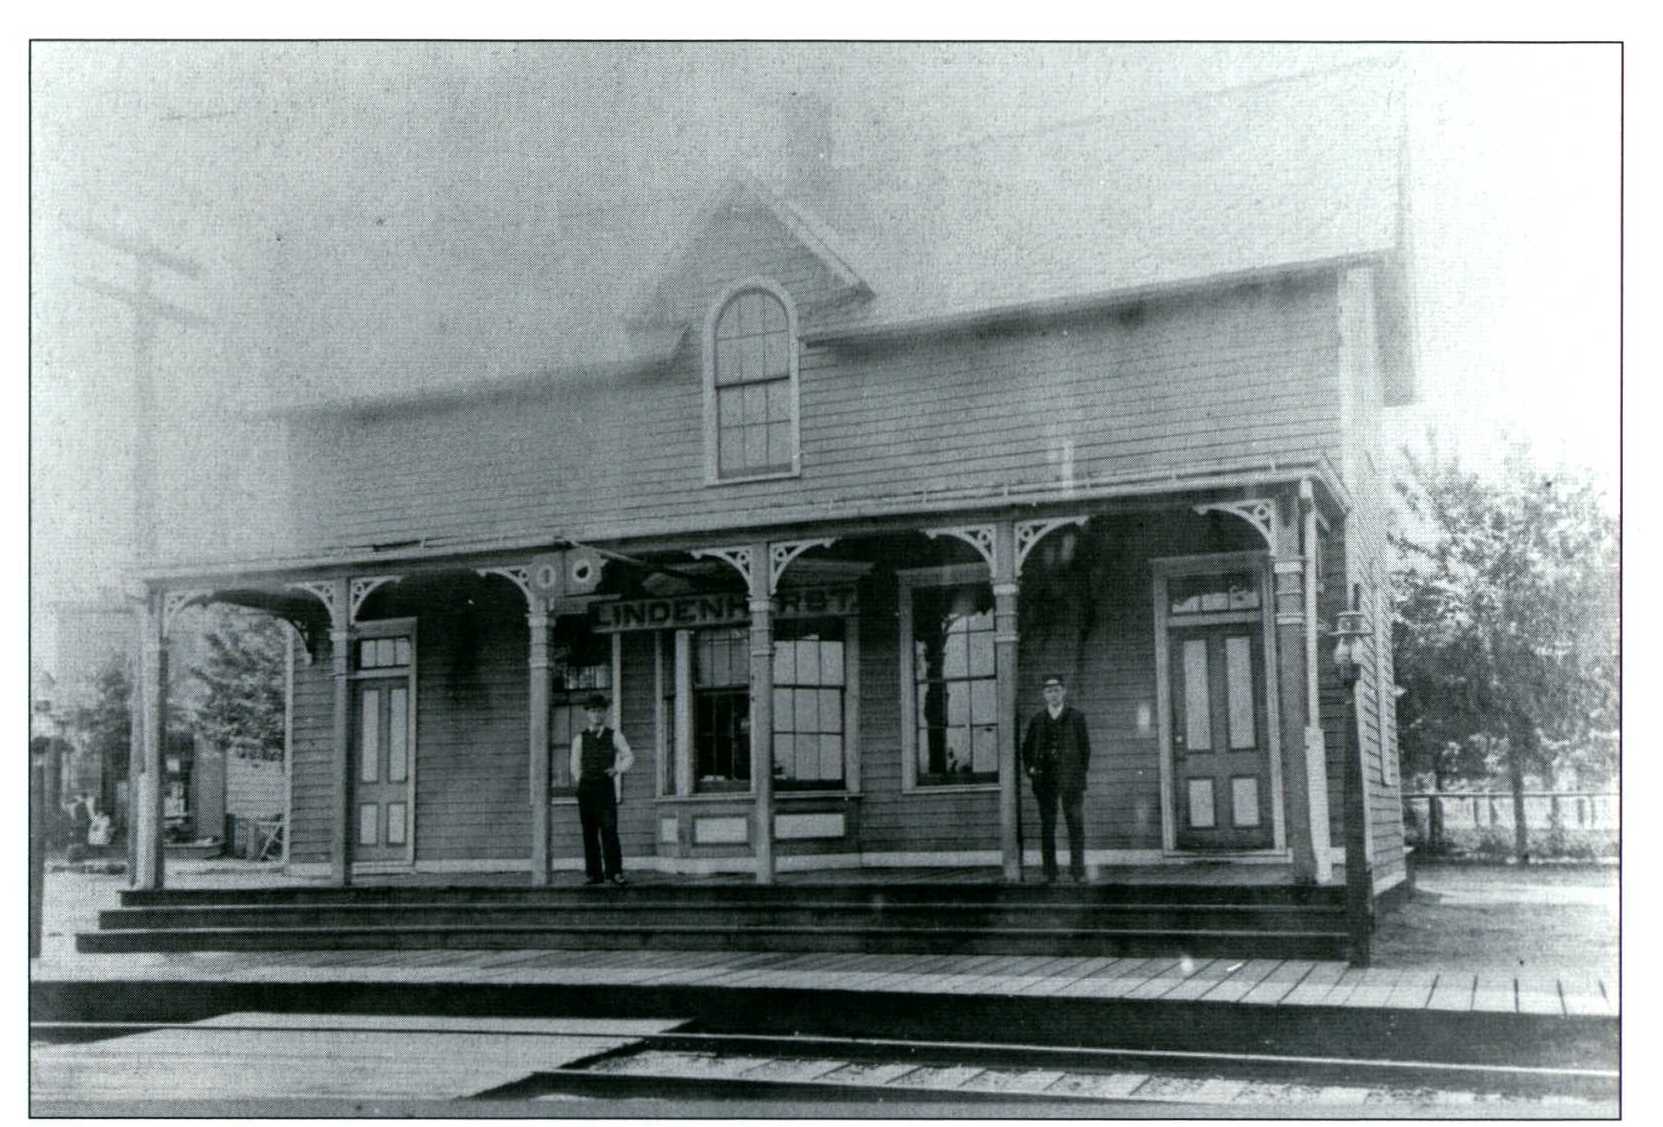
pixel 1290 660
pixel 1304 824
pixel 340 642
pixel 762 708
pixel 1004 649
pixel 539 621
pixel 1316 750
pixel 147 801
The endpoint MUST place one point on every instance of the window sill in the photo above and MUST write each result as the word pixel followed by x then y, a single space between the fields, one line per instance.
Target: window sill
pixel 727 796
pixel 772 475
pixel 951 788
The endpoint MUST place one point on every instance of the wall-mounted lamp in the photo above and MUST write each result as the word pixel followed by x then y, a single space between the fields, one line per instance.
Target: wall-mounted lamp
pixel 1349 633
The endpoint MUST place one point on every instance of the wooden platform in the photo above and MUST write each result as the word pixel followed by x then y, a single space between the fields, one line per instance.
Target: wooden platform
pixel 1264 982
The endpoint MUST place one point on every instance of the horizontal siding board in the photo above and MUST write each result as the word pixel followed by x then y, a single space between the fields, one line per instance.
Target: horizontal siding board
pixel 1202 380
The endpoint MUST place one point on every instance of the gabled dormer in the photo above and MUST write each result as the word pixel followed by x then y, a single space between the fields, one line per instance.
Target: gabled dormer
pixel 749 232
pixel 753 268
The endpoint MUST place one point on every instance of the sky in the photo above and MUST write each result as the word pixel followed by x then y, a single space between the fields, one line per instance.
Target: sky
pixel 380 215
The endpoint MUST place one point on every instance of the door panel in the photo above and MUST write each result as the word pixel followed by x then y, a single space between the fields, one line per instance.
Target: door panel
pixel 1220 737
pixel 381 767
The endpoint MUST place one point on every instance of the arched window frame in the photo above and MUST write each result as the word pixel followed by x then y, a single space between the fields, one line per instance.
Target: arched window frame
pixel 713 474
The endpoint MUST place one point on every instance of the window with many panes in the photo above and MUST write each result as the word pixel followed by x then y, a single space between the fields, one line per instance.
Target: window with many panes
pixel 810 683
pixel 721 728
pixel 950 680
pixel 584 667
pixel 751 386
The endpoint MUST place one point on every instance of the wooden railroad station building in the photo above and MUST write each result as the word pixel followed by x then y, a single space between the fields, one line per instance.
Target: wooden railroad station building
pixel 888 445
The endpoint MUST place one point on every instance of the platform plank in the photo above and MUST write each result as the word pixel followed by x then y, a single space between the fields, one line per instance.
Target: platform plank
pixel 1315 987
pixel 826 972
pixel 1411 991
pixel 969 973
pixel 1495 993
pixel 1062 976
pixel 1539 994
pixel 1279 983
pixel 1375 987
pixel 912 973
pixel 1169 979
pixel 1205 978
pixel 1010 975
pixel 1454 991
pixel 1244 978
pixel 1584 997
pixel 1125 979
pixel 1037 975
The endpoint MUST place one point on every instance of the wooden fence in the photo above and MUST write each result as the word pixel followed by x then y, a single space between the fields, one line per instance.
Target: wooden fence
pixel 1566 823
pixel 1572 809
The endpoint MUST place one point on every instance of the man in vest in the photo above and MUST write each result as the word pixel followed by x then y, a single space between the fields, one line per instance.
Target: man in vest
pixel 1055 754
pixel 599 757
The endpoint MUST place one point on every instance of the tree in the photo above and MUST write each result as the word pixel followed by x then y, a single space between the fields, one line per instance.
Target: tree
pixel 241 707
pixel 1506 623
pixel 103 726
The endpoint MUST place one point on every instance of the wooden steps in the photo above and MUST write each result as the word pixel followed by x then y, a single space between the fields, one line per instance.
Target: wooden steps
pixel 1114 920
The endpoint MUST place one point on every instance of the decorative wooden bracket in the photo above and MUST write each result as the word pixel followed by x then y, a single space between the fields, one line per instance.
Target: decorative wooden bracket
pixel 978 536
pixel 520 576
pixel 739 558
pixel 782 552
pixel 1030 532
pixel 309 637
pixel 1260 512
pixel 175 601
pixel 362 588
pixel 324 592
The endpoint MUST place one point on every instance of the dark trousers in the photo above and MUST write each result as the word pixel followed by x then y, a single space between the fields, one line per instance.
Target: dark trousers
pixel 1049 795
pixel 597 809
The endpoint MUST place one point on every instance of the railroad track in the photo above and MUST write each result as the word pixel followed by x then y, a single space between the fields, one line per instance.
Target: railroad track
pixel 685 1064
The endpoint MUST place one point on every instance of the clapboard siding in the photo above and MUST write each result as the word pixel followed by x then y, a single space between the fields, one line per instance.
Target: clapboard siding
pixel 743 240
pixel 1358 558
pixel 312 814
pixel 1247 375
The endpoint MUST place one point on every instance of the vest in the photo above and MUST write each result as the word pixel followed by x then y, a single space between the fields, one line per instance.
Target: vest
pixel 1056 740
pixel 596 753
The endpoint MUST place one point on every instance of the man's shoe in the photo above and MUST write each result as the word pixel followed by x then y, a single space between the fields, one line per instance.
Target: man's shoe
pixel 594 880
pixel 618 878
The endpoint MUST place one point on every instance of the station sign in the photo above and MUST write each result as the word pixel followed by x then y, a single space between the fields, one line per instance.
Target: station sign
pixel 732 608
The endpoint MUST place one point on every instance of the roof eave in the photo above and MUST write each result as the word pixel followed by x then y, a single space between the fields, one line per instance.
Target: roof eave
pixel 1079 303
pixel 661 352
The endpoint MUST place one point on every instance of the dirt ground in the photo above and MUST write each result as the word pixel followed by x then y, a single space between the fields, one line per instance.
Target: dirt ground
pixel 1549 919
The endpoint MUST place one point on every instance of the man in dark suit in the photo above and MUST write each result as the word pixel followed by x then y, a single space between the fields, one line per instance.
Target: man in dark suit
pixel 1055 754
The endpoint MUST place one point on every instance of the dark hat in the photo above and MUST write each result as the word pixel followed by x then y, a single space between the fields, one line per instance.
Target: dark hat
pixel 595 700
pixel 1053 679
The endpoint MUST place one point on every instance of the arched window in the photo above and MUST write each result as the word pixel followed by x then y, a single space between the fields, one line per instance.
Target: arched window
pixel 751 386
